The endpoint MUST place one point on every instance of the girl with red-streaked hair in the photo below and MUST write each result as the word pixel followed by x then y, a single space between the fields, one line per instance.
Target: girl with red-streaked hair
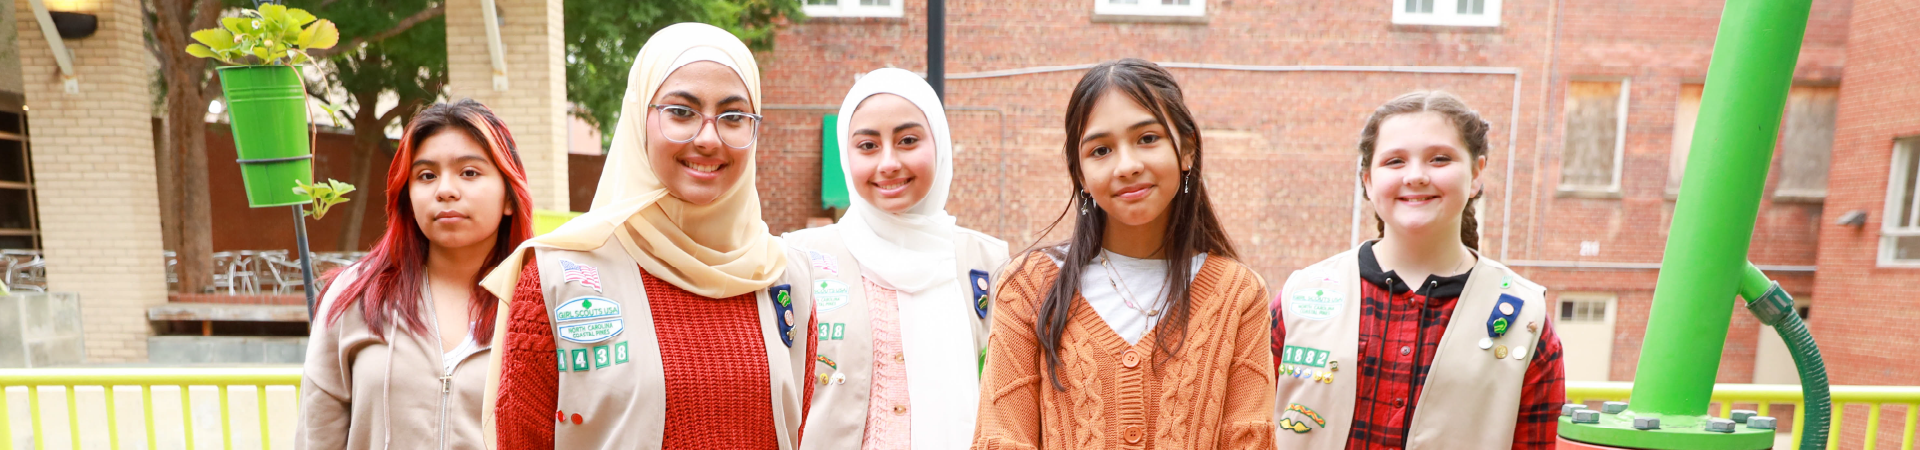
pixel 398 358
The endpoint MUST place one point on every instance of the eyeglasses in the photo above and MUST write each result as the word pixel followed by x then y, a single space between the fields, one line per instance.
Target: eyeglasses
pixel 681 124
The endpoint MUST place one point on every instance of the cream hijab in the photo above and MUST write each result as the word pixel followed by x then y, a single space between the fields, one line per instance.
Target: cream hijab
pixel 717 250
pixel 912 252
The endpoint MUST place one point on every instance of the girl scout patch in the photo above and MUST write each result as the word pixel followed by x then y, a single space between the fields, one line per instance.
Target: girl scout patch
pixel 591 332
pixel 829 295
pixel 783 319
pixel 584 308
pixel 978 278
pixel 1305 414
pixel 1316 303
pixel 587 320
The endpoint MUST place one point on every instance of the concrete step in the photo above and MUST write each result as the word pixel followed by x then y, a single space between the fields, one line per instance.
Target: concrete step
pixel 203 312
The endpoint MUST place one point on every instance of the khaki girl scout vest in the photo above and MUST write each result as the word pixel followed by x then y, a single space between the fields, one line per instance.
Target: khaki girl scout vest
pixel 1471 398
pixel 844 375
pixel 610 370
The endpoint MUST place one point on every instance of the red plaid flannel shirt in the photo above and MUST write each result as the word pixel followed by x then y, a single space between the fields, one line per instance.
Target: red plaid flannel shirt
pixel 1389 380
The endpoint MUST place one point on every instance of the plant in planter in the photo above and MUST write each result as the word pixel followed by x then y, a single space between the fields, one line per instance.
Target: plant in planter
pixel 267 102
pixel 265 95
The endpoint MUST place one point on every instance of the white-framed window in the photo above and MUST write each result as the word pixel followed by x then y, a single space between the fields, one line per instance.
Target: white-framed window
pixel 1595 137
pixel 1584 307
pixel 1178 8
pixel 1458 13
pixel 1900 221
pixel 853 8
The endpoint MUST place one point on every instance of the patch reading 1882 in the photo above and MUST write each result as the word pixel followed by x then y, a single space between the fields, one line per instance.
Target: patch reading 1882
pixel 591 332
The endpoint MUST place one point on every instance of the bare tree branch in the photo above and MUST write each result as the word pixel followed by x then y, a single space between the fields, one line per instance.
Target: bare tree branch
pixel 405 24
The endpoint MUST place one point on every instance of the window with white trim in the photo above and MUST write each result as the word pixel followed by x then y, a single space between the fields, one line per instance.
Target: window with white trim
pixel 1458 13
pixel 1595 137
pixel 1900 222
pixel 853 8
pixel 1150 7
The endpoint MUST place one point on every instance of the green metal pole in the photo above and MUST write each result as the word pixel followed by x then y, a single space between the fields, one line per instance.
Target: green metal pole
pixel 1747 83
pixel 1706 256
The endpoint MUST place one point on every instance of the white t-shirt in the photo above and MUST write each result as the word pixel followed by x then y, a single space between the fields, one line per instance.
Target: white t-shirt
pixel 1145 281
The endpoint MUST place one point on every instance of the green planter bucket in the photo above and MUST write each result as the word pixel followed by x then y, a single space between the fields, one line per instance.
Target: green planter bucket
pixel 268 107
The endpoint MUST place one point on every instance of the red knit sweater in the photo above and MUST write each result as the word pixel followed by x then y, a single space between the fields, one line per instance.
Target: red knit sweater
pixel 712 352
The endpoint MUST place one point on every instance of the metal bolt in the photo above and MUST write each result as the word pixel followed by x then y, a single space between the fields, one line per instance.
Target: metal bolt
pixel 1568 409
pixel 1646 423
pixel 1586 416
pixel 1613 407
pixel 1761 422
pixel 1741 415
pixel 1719 425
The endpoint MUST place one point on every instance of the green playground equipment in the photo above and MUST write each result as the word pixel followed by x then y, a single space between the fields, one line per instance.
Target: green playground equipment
pixel 1705 263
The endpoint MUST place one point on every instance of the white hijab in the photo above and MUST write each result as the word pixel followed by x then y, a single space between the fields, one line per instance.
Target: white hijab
pixel 912 252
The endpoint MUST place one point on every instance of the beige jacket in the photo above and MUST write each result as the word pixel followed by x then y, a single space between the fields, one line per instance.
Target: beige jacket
pixel 1472 397
pixel 358 391
pixel 844 374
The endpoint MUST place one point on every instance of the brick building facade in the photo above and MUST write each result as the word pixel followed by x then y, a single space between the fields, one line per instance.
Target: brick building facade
pixel 1871 339
pixel 1281 90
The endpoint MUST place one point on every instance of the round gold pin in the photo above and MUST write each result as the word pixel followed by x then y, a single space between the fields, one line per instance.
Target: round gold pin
pixel 1500 352
pixel 1328 379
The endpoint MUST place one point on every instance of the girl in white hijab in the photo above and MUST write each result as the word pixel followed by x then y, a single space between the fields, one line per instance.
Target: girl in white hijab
pixel 901 291
pixel 664 317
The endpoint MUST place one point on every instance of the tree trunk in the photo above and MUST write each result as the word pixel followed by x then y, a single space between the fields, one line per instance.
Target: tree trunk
pixel 187 140
pixel 369 134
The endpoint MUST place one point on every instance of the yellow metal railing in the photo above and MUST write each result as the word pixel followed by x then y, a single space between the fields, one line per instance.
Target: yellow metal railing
pixel 1766 395
pixel 146 379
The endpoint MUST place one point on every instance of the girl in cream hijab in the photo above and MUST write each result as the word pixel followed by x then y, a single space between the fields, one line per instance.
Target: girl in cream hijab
pixel 664 317
pixel 901 291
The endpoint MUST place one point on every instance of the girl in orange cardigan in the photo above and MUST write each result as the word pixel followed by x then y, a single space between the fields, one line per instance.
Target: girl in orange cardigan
pixel 1141 331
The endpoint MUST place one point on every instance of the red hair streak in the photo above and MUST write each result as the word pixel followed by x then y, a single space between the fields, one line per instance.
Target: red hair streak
pixel 390 276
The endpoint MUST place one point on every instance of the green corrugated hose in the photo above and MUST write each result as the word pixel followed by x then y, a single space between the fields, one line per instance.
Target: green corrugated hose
pixel 1774 308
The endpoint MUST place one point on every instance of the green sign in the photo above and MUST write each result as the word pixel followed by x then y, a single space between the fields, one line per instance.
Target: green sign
pixel 1305 356
pixel 833 182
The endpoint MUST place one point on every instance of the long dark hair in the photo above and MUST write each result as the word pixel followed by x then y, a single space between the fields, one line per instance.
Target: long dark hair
pixel 1192 227
pixel 389 282
pixel 1473 133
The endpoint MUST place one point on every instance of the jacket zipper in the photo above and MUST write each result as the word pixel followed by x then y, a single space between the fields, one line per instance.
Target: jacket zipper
pixel 446 388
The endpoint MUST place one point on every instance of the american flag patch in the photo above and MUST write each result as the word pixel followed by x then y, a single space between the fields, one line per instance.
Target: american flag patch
pixel 823 261
pixel 585 274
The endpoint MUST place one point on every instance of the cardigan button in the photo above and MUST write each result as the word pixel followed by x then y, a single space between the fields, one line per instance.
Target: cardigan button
pixel 1130 359
pixel 899 357
pixel 1132 434
pixel 899 410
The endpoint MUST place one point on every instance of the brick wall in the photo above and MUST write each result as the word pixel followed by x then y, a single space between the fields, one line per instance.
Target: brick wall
pixel 94 172
pixel 1872 339
pixel 534 104
pixel 1279 145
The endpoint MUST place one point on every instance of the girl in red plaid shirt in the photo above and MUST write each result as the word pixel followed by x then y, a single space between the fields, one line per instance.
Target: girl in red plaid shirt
pixel 1416 340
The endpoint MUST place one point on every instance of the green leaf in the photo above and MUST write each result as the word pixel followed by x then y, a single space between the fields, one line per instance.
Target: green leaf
pixel 300 16
pixel 199 51
pixel 323 35
pixel 237 25
pixel 340 187
pixel 214 38
pixel 275 13
pixel 265 54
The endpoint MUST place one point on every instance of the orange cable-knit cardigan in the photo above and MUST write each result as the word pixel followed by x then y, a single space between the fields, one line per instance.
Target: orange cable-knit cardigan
pixel 1216 393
